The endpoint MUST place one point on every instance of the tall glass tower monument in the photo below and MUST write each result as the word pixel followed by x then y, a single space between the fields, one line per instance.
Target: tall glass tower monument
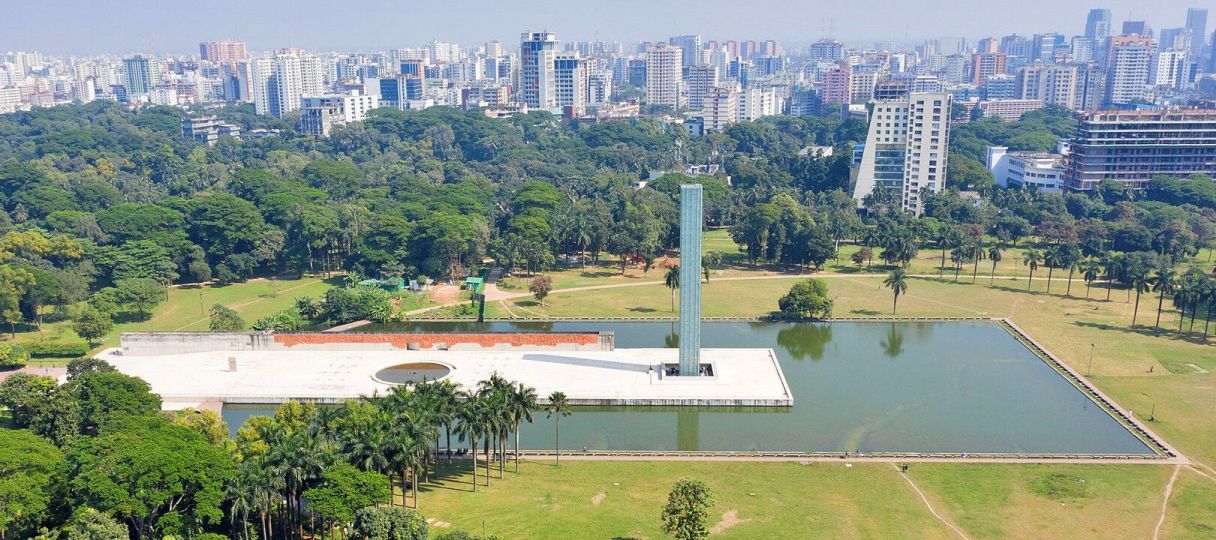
pixel 690 280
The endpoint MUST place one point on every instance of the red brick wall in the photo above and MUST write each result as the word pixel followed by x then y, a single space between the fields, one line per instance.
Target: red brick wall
pixel 428 341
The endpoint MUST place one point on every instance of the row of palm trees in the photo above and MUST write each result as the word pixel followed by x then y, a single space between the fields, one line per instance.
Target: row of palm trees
pixel 397 434
pixel 1194 291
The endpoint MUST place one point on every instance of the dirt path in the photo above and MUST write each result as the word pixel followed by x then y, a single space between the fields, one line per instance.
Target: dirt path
pixel 1165 502
pixel 930 506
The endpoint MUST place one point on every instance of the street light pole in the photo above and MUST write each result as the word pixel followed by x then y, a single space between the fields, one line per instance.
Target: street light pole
pixel 1089 369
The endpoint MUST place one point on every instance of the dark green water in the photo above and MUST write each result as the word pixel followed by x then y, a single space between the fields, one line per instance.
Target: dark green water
pixel 873 387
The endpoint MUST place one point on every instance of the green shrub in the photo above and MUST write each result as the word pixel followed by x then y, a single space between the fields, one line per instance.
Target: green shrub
pixel 13 356
pixel 58 349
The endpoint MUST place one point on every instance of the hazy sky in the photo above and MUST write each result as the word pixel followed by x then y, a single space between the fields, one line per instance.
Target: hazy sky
pixel 122 26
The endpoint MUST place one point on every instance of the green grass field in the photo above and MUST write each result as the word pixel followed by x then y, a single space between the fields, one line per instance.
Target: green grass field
pixel 186 309
pixel 621 499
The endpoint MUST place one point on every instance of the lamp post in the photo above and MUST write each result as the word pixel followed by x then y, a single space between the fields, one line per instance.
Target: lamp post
pixel 1091 360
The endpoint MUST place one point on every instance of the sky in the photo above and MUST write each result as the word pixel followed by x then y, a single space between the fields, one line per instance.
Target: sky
pixel 176 26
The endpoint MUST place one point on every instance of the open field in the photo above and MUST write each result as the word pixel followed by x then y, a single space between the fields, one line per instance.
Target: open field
pixel 615 499
pixel 186 308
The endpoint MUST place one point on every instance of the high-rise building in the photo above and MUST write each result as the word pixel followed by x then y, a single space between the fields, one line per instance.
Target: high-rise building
pixel 1174 38
pixel 143 73
pixel 827 50
pixel 1197 23
pixel 262 72
pixel 1130 58
pixel 1098 25
pixel 837 85
pixel 536 53
pixel 1137 28
pixel 906 148
pixel 690 47
pixel 701 79
pixel 1134 146
pixel 951 45
pixel 222 51
pixel 985 65
pixel 663 63
pixel 1000 87
pixel 1171 68
pixel 570 84
pixel 720 108
pixel 320 114
pixel 755 103
pixel 1045 47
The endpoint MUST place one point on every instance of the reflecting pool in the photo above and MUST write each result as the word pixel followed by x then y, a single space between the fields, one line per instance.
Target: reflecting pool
pixel 858 386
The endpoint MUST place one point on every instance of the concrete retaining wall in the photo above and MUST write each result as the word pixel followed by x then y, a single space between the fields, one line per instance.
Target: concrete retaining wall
pixel 153 343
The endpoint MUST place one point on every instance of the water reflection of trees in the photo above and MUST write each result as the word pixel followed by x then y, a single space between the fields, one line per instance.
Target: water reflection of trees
pixel 688 431
pixel 801 340
pixel 893 344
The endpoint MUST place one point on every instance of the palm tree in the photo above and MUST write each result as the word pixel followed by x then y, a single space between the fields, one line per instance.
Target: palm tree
pixel 1090 269
pixel 958 255
pixel 1032 259
pixel 557 407
pixel 976 254
pixel 469 427
pixel 897 281
pixel 672 281
pixel 994 255
pixel 1114 267
pixel 523 402
pixel 1164 283
pixel 1069 258
pixel 1052 257
pixel 1139 281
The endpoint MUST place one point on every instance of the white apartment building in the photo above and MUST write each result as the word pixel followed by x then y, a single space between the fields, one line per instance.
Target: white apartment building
pixel 537 51
pixel 1039 171
pixel 1170 69
pixel 755 103
pixel 720 108
pixel 1130 60
pixel 906 148
pixel 663 75
pixel 320 114
pixel 702 78
pixel 570 83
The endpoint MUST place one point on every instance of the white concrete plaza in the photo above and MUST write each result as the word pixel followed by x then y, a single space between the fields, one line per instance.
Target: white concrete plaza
pixel 742 377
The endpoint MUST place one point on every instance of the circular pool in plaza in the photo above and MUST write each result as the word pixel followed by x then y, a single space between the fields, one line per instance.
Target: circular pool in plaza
pixel 412 372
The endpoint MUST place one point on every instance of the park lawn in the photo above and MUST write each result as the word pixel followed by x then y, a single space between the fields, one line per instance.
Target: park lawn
pixel 186 309
pixel 770 500
pixel 992 500
pixel 1192 508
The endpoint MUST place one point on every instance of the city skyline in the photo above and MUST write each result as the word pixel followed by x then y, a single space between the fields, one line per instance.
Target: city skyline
pixel 73 27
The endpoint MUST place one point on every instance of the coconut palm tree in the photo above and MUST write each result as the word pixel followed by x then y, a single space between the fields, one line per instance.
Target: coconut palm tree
pixel 672 280
pixel 1032 259
pixel 523 402
pixel 1165 281
pixel 1114 267
pixel 994 255
pixel 1139 280
pixel 976 253
pixel 557 407
pixel 958 255
pixel 469 415
pixel 897 281
pixel 1052 257
pixel 1090 270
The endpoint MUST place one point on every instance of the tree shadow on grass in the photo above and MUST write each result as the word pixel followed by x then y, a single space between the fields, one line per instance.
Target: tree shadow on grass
pixel 867 312
pixel 598 274
pixel 636 309
pixel 1147 331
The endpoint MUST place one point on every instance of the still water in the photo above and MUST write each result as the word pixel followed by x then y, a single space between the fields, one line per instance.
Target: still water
pixel 870 387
